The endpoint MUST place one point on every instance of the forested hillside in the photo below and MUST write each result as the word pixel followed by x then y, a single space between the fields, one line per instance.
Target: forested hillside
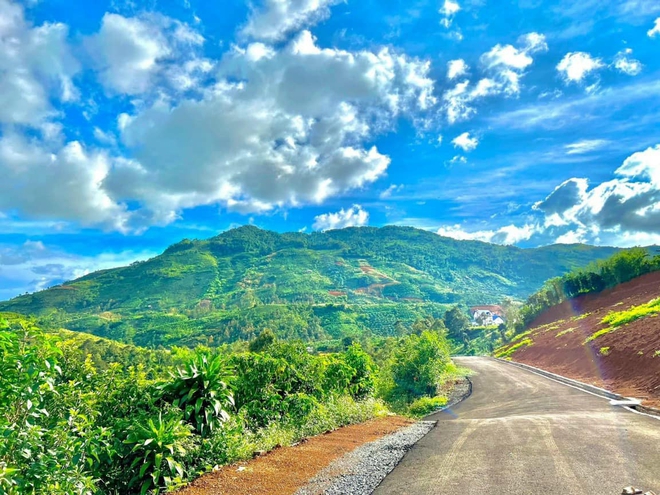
pixel 311 286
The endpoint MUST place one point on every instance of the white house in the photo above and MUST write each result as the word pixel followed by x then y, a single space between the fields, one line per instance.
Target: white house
pixel 487 315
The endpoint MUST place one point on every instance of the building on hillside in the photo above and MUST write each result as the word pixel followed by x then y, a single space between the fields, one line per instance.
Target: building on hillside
pixel 486 316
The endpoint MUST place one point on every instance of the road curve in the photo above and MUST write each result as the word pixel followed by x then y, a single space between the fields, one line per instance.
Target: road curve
pixel 521 433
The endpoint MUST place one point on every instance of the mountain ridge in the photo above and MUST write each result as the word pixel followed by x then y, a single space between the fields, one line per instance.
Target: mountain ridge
pixel 319 285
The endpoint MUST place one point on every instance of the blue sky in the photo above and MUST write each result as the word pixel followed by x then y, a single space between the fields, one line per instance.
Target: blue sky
pixel 126 126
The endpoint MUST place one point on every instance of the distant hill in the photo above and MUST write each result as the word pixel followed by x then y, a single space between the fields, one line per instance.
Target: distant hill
pixel 311 286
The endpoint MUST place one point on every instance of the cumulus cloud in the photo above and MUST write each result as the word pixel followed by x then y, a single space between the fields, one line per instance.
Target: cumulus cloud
pixel 65 183
pixel 273 20
pixel 507 235
pixel 576 66
pixel 36 68
pixel 130 52
pixel 507 63
pixel 655 30
pixel 585 146
pixel 627 205
pixel 448 10
pixel 280 128
pixel 505 67
pixel 456 68
pixel 627 65
pixel 351 217
pixel 465 142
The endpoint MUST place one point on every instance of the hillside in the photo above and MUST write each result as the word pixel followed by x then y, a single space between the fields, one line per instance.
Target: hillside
pixel 311 286
pixel 610 339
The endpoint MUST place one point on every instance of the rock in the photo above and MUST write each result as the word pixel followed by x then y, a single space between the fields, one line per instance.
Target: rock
pixel 631 490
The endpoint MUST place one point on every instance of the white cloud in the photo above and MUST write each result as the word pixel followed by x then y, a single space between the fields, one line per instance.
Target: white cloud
pixel 626 207
pixel 131 52
pixel 575 66
pixel 655 30
pixel 505 66
pixel 457 160
pixel 63 183
pixel 387 193
pixel 36 67
pixel 352 217
pixel 465 142
pixel 507 63
pixel 629 66
pixel 280 128
pixel 448 10
pixel 585 146
pixel 507 235
pixel 276 128
pixel 456 68
pixel 277 18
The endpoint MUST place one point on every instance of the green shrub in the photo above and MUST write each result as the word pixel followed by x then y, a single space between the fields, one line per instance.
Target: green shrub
pixel 426 405
pixel 201 391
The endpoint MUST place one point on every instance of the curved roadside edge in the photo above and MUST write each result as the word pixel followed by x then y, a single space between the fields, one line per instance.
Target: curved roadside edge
pixel 585 387
pixel 361 471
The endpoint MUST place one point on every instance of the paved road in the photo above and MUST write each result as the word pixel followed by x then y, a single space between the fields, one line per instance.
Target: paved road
pixel 525 434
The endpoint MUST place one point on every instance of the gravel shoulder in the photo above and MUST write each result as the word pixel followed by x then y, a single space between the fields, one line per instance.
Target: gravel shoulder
pixel 361 471
pixel 285 470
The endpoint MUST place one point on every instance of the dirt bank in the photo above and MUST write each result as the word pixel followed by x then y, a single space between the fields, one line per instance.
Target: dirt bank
pixel 283 471
pixel 626 361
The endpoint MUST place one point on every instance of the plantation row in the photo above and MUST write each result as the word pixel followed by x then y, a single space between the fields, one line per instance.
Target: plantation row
pixel 79 422
pixel 620 268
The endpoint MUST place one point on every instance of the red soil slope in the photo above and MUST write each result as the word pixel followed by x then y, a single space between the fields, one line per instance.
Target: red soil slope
pixel 631 365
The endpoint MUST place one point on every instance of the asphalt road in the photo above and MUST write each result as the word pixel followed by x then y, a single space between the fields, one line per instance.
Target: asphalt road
pixel 525 434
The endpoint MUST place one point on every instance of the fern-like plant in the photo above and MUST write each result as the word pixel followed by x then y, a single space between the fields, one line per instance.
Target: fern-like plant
pixel 201 390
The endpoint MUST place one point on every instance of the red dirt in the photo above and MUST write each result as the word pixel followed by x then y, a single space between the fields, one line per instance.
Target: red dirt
pixel 336 293
pixel 284 470
pixel 629 368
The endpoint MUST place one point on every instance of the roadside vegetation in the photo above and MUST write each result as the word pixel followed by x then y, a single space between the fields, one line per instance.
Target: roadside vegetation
pixel 600 275
pixel 82 415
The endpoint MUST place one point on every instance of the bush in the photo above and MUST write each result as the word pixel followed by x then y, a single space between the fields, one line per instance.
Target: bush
pixel 426 405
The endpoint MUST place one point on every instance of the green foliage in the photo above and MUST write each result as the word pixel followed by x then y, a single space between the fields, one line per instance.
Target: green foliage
pixel 619 318
pixel 621 267
pixel 604 351
pixel 507 351
pixel 265 339
pixel 416 368
pixel 201 391
pixel 457 323
pixel 350 282
pixel 426 405
pixel 71 427
pixel 154 448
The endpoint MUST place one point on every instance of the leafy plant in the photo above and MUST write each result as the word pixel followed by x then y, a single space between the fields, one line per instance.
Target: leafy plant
pixel 155 450
pixel 201 390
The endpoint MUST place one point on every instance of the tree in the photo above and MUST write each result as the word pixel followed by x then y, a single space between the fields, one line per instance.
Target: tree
pixel 265 339
pixel 457 324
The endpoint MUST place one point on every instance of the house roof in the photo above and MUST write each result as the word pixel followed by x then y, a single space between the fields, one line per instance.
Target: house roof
pixel 493 309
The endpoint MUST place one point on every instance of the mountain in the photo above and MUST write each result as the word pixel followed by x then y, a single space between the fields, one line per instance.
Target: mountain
pixel 310 286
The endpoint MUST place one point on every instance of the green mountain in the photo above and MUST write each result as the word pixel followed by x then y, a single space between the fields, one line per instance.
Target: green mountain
pixel 310 286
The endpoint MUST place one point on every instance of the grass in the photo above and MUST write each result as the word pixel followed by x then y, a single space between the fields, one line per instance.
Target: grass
pixel 564 332
pixel 604 351
pixel 504 352
pixel 426 405
pixel 615 319
pixel 618 318
pixel 599 333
